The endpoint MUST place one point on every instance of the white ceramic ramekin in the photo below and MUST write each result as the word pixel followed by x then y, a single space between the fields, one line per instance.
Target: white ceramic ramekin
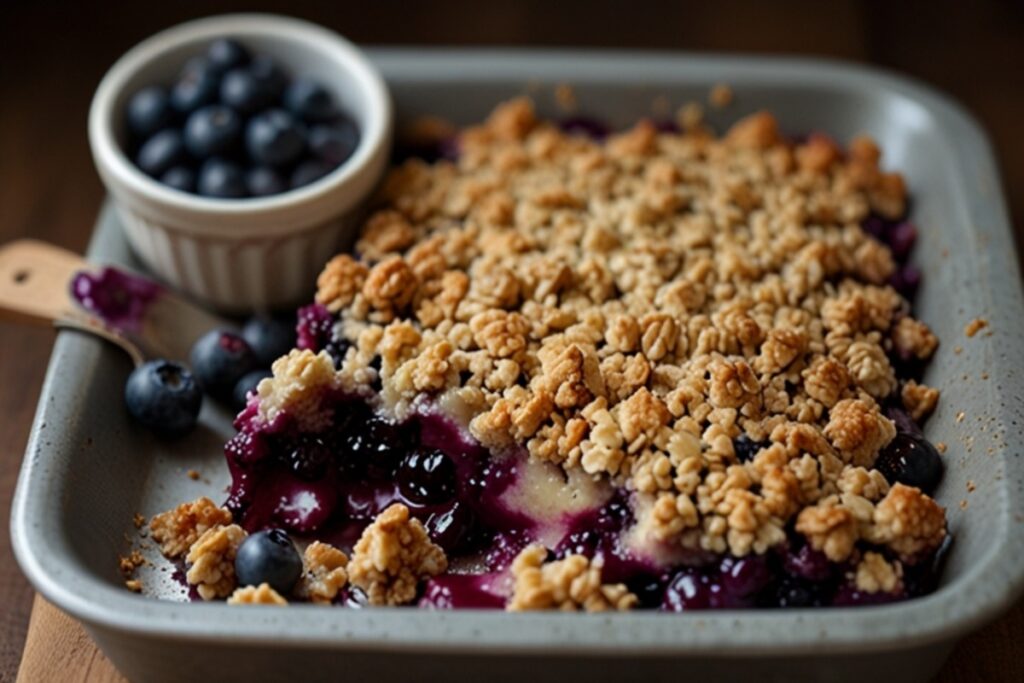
pixel 243 254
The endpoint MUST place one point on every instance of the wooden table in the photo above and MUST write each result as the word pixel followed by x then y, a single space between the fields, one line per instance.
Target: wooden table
pixel 53 54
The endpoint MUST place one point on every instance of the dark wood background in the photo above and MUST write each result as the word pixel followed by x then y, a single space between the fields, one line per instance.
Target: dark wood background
pixel 52 54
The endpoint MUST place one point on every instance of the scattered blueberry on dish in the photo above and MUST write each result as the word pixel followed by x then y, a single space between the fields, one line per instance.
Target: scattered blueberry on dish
pixel 235 125
pixel 165 397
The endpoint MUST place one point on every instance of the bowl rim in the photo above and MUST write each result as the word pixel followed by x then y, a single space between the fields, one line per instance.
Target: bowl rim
pixel 110 158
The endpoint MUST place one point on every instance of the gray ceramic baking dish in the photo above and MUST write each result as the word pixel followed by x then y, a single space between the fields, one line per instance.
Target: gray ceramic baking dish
pixel 88 470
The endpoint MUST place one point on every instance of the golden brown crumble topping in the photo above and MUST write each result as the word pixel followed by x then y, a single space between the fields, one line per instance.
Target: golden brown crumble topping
pixel 571 584
pixel 876 575
pixel 176 530
pixel 211 561
pixel 631 307
pixel 262 594
pixel 919 400
pixel 392 556
pixel 323 573
pixel 297 388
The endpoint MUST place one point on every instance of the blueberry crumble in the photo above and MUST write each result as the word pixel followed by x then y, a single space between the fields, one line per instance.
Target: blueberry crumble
pixel 657 369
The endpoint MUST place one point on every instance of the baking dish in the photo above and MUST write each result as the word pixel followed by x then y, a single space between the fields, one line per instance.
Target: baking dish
pixel 88 471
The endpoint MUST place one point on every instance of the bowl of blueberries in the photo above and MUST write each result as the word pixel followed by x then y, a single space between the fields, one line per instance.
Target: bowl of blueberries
pixel 238 150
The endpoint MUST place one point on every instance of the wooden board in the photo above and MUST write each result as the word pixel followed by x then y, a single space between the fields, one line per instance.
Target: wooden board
pixel 57 648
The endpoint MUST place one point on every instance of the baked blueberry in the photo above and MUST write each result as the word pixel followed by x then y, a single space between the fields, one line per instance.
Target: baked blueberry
pixel 225 54
pixel 264 181
pixel 241 91
pixel 450 526
pixel 309 172
pixel 274 137
pixel 309 101
pixel 197 87
pixel 334 144
pixel 221 178
pixel 149 110
pixel 219 359
pixel 161 152
pixel 308 456
pixel 247 384
pixel 164 397
pixel 268 557
pixel 180 178
pixel 426 477
pixel 269 337
pixel 212 130
pixel 910 459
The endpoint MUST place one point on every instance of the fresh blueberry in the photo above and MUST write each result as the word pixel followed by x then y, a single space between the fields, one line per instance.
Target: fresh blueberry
pixel 180 178
pixel 161 152
pixel 274 137
pixel 334 144
pixel 164 397
pixel 219 359
pixel 212 130
pixel 149 110
pixel 241 91
pixel 225 54
pixel 426 477
pixel 308 456
pixel 309 172
pixel 248 383
pixel 268 557
pixel 196 87
pixel 269 75
pixel 263 181
pixel 451 526
pixel 309 101
pixel 269 337
pixel 911 460
pixel 221 178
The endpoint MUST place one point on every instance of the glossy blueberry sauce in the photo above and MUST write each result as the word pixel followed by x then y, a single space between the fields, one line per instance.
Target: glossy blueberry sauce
pixel 117 298
pixel 330 486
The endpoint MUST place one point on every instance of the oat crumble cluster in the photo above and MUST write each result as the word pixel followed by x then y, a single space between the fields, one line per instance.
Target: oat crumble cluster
pixel 569 585
pixel 630 308
pixel 393 556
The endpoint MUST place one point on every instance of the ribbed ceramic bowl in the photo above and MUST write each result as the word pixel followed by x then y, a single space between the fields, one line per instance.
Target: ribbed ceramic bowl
pixel 243 254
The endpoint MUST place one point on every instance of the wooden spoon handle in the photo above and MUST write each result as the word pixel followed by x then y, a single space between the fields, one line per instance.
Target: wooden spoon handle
pixel 34 281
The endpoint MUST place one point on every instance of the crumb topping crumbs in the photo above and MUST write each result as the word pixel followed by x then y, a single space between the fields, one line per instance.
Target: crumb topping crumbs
pixel 262 594
pixel 323 573
pixel 392 556
pixel 919 400
pixel 134 585
pixel 130 562
pixel 975 326
pixel 211 561
pixel 139 520
pixel 876 575
pixel 176 530
pixel 721 95
pixel 296 389
pixel 570 584
pixel 629 308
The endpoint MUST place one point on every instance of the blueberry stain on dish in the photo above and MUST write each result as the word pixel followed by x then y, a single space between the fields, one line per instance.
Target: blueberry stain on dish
pixel 235 124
